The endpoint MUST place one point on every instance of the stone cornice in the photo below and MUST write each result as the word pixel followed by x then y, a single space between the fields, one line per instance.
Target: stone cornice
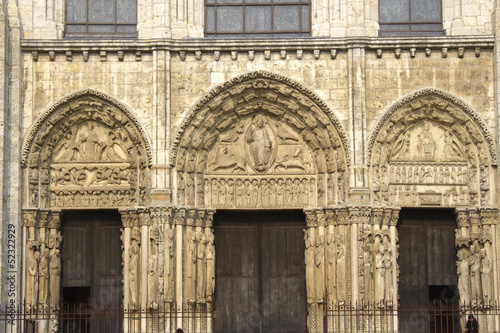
pixel 209 44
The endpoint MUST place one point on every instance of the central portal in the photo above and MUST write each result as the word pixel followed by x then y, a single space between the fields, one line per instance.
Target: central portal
pixel 260 271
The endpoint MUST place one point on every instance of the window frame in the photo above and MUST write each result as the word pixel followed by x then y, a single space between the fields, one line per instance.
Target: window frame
pixel 244 4
pixel 410 23
pixel 87 24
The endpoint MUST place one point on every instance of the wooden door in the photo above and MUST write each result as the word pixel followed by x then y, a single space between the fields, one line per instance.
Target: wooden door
pixel 260 272
pixel 91 269
pixel 427 277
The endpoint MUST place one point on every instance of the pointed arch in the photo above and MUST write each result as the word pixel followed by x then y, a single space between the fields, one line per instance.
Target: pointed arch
pixel 431 148
pixel 260 125
pixel 87 150
pixel 441 100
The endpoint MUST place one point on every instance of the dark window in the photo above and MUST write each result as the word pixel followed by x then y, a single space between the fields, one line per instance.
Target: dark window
pixel 257 18
pixel 410 17
pixel 101 17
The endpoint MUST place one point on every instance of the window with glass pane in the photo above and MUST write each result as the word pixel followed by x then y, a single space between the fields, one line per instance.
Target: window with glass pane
pixel 101 17
pixel 418 17
pixel 257 18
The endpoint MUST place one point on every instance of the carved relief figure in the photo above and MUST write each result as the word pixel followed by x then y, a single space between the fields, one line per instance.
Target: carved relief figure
pixel 169 246
pixel 201 267
pixel 43 273
pixel 341 270
pixel 451 149
pixel 463 276
pixel 368 269
pixel 134 278
pixel 209 255
pixel 259 143
pixel 32 280
pixel 475 273
pixel 330 269
pixel 380 276
pixel 319 260
pixel 309 260
pixel 152 280
pixel 486 279
pixel 388 270
pixel 55 279
pixel 190 266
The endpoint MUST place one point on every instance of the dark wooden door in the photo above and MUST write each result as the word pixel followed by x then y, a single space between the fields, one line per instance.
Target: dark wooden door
pixel 428 280
pixel 91 270
pixel 260 272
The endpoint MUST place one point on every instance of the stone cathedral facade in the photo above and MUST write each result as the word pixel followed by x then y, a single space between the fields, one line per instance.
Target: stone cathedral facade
pixel 164 145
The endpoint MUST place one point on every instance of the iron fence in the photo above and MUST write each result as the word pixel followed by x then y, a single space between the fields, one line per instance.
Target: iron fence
pixel 84 319
pixel 431 318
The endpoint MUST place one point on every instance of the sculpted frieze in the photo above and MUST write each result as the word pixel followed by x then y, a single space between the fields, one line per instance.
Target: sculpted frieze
pixel 260 192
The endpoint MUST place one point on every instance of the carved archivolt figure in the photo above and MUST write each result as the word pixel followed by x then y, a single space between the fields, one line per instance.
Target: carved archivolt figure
pixel 341 270
pixel 133 267
pixel 259 142
pixel 55 278
pixel 463 276
pixel 475 273
pixel 319 260
pixel 486 280
pixel 310 283
pixel 380 276
pixel 209 255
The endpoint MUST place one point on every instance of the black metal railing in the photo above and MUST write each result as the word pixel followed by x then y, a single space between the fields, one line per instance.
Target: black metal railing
pixel 409 318
pixel 83 319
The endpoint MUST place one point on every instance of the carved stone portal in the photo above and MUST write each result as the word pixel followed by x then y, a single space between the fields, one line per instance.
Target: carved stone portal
pixel 87 151
pixel 431 149
pixel 260 141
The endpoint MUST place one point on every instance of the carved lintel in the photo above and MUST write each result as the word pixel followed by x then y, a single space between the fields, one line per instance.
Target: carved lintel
pixel 29 217
pixel 54 219
pixel 311 219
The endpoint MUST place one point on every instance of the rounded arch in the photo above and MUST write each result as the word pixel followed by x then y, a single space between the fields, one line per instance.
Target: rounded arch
pixel 431 148
pixel 252 133
pixel 87 150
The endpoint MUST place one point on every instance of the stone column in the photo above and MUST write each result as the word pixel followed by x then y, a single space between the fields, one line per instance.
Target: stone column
pixel 126 236
pixel 179 221
pixel 32 257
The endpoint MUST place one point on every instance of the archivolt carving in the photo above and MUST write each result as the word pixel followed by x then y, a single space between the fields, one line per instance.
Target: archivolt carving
pixel 256 133
pixel 431 149
pixel 87 150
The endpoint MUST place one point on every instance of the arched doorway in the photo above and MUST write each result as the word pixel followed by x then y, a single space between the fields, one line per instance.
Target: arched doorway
pixel 86 152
